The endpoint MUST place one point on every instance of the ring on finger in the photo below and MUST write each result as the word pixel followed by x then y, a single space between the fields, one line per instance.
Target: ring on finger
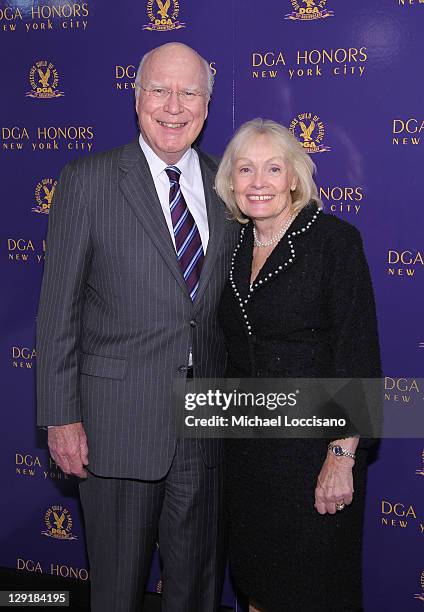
pixel 340 505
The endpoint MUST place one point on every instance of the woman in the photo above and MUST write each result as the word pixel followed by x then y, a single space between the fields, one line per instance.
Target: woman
pixel 299 303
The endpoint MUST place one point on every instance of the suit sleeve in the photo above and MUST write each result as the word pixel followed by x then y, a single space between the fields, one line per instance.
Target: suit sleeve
pixel 354 334
pixel 67 262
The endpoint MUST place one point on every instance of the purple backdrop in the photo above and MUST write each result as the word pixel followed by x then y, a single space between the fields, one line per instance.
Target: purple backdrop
pixel 346 78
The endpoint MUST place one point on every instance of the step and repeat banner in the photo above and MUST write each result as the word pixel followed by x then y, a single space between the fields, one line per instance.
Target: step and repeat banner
pixel 346 79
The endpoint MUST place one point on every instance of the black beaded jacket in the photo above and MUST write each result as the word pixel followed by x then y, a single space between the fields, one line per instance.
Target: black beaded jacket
pixel 310 312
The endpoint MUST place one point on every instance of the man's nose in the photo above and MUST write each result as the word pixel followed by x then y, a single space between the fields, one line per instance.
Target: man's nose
pixel 173 103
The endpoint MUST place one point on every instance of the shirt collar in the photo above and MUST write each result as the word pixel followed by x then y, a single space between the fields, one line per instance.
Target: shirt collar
pixel 157 165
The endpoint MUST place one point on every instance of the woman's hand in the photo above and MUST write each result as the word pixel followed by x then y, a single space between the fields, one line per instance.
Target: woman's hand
pixel 335 480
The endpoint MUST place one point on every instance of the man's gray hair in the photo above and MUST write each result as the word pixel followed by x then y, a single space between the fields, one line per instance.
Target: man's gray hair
pixel 209 78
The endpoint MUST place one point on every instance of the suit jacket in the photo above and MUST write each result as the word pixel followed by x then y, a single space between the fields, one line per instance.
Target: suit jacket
pixel 115 319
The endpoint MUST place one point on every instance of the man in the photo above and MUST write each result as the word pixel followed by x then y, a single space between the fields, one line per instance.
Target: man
pixel 138 251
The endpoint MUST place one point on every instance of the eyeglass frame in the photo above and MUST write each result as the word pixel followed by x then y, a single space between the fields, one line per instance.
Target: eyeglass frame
pixel 171 91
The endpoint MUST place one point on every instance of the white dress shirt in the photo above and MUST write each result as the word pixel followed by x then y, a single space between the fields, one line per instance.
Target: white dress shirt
pixel 191 186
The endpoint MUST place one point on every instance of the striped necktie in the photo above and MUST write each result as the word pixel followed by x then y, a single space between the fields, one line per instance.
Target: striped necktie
pixel 187 238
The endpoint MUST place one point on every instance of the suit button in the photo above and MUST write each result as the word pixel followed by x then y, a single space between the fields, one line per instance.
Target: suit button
pixel 182 370
pixel 193 323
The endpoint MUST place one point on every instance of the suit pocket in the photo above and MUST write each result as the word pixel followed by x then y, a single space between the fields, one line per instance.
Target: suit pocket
pixel 106 367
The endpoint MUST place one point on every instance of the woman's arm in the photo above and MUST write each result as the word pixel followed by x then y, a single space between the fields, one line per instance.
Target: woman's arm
pixel 335 480
pixel 355 350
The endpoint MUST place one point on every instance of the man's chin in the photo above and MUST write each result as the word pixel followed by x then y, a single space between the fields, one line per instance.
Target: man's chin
pixel 174 149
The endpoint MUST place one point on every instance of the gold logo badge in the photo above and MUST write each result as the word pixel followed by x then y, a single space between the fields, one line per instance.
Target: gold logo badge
pixel 44 192
pixel 163 16
pixel 420 596
pixel 44 80
pixel 305 10
pixel 59 524
pixel 309 131
pixel 420 471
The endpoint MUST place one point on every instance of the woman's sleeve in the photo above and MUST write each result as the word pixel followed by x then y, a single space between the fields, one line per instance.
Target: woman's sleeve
pixel 354 332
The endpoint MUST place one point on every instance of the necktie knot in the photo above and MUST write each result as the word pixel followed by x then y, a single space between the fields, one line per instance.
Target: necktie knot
pixel 173 173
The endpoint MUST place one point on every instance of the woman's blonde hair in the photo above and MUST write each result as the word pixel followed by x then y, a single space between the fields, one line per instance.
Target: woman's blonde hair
pixel 293 153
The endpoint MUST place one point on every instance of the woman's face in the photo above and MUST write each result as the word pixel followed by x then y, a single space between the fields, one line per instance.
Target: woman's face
pixel 262 179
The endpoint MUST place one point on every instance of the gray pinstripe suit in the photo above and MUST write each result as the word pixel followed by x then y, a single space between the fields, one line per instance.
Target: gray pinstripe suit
pixel 115 324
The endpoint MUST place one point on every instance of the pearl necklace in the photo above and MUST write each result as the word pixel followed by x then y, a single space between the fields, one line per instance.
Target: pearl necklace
pixel 275 238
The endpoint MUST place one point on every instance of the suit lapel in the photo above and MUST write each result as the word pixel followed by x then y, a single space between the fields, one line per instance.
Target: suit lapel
pixel 139 190
pixel 216 221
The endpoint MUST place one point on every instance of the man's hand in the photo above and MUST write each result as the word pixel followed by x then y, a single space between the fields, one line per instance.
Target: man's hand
pixel 69 449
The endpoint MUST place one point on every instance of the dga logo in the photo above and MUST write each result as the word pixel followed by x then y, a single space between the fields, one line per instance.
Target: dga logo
pixel 43 17
pixel 310 131
pixel 404 263
pixel 36 466
pixel 59 524
pixel 420 596
pixel 26 465
pixel 48 138
pixel 44 79
pixel 404 390
pixel 407 131
pixel 44 192
pixel 163 16
pixel 420 471
pixel 64 571
pixel 397 514
pixel 125 76
pixel 24 250
pixel 305 10
pixel 23 357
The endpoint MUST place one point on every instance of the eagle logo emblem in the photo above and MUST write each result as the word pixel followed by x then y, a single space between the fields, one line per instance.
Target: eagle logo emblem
pixel 44 80
pixel 307 131
pixel 58 521
pixel 44 192
pixel 420 471
pixel 420 596
pixel 306 10
pixel 310 132
pixel 163 9
pixel 163 16
pixel 44 77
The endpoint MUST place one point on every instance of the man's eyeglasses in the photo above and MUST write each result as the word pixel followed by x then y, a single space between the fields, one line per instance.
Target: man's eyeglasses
pixel 185 95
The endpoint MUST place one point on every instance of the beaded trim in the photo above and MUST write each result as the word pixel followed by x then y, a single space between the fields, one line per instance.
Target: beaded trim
pixel 256 285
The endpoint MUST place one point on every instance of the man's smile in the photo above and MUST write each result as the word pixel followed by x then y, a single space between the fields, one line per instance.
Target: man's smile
pixel 172 125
